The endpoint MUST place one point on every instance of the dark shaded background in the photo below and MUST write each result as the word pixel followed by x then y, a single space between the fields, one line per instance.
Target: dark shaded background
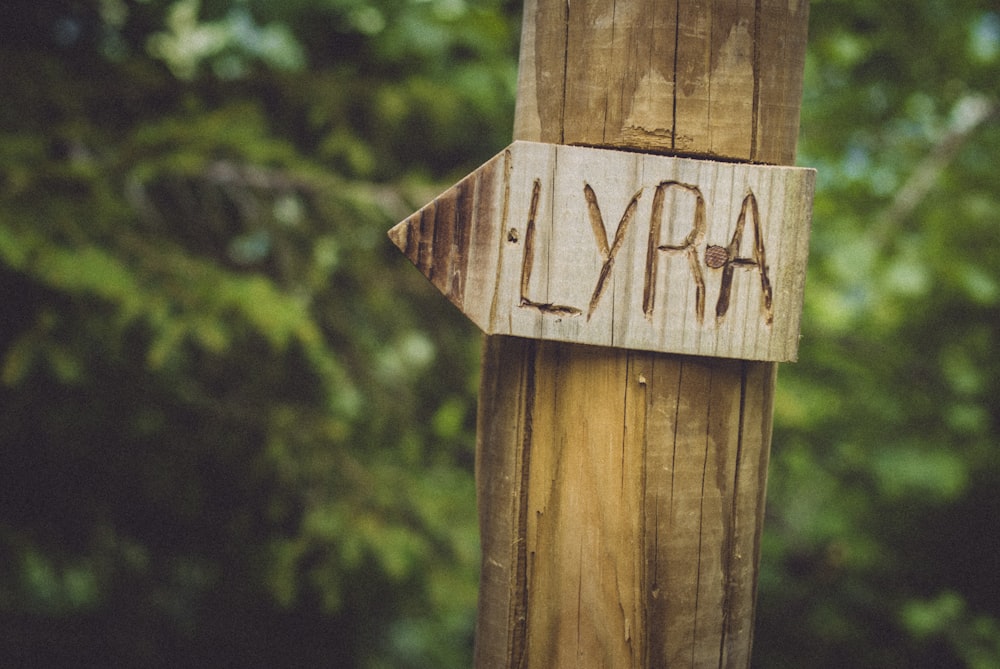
pixel 237 428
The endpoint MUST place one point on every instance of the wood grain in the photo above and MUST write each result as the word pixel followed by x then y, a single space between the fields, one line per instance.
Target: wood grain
pixel 700 77
pixel 621 501
pixel 621 493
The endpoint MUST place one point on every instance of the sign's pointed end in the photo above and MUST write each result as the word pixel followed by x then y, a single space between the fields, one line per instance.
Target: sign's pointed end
pixel 402 236
pixel 436 240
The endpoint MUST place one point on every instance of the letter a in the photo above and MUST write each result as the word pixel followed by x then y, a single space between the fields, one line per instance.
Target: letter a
pixel 758 261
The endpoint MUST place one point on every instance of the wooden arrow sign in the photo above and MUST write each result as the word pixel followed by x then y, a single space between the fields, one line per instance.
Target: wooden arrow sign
pixel 622 249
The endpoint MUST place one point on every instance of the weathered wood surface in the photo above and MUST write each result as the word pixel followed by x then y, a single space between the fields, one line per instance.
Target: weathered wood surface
pixel 621 502
pixel 720 78
pixel 630 250
pixel 621 493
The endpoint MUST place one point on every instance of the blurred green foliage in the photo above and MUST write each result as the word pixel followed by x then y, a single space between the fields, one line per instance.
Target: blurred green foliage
pixel 238 430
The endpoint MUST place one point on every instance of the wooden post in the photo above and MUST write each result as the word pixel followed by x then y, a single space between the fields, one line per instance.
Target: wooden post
pixel 621 492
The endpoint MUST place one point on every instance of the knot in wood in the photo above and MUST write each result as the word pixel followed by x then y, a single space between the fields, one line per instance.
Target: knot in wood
pixel 716 256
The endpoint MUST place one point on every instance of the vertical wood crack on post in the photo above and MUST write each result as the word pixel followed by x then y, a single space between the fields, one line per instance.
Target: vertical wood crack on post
pixel 624 434
pixel 673 455
pixel 519 603
pixel 677 42
pixel 768 383
pixel 701 519
pixel 579 604
pixel 647 553
pixel 607 98
pixel 729 547
pixel 562 116
pixel 755 110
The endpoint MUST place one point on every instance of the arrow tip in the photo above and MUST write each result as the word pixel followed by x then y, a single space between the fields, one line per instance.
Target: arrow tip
pixel 434 239
pixel 401 235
